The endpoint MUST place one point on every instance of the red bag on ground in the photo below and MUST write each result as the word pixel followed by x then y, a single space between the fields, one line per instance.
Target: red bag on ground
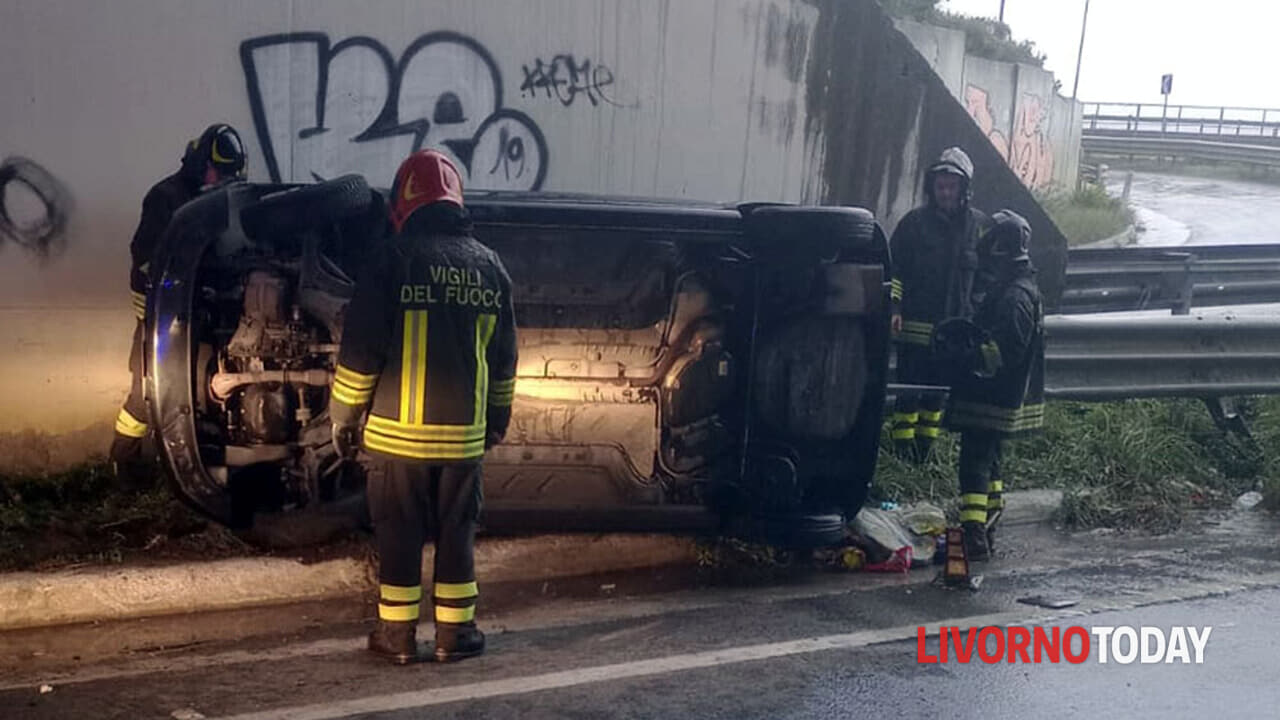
pixel 899 561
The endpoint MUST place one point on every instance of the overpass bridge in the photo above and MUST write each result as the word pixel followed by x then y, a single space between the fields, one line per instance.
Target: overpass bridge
pixel 1193 132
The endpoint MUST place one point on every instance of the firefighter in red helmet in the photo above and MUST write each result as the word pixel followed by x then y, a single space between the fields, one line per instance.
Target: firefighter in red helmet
pixel 428 351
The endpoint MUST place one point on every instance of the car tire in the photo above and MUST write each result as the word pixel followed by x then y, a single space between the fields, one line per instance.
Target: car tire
pixel 784 227
pixel 791 530
pixel 306 207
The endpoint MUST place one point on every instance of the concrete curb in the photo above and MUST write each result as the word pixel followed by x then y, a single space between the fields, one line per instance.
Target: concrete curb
pixel 1124 238
pixel 30 599
pixel 1030 507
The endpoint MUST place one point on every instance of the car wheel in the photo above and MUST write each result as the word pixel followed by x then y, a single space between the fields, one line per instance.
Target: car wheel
pixel 306 207
pixel 828 230
pixel 790 530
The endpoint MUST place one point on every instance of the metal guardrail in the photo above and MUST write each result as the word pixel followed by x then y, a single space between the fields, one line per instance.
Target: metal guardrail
pixel 1204 120
pixel 1177 279
pixel 1098 359
pixel 1183 147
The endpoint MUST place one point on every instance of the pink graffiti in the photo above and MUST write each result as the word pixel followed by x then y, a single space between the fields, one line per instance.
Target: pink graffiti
pixel 1032 152
pixel 978 103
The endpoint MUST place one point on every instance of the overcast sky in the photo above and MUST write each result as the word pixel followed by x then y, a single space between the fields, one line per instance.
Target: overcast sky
pixel 1220 53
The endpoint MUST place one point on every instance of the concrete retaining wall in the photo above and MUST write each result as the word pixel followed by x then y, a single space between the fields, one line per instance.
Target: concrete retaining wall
pixel 781 100
pixel 943 48
pixel 1017 106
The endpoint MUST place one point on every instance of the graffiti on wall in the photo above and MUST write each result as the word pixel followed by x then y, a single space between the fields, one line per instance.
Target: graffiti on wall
pixel 34 207
pixel 1029 153
pixel 322 109
pixel 978 102
pixel 565 79
pixel 1032 153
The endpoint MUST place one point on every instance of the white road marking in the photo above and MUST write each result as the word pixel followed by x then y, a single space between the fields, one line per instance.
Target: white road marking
pixel 618 671
pixel 575 613
pixel 714 658
pixel 579 613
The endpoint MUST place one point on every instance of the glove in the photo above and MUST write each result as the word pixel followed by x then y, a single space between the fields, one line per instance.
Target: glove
pixel 492 438
pixel 957 345
pixel 346 440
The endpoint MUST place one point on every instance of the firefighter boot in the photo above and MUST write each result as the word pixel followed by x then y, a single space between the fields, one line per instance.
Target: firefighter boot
pixel 396 641
pixel 456 642
pixel 975 541
pixel 128 465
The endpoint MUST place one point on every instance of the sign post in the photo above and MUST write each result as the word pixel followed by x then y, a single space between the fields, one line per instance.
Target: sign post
pixel 1166 87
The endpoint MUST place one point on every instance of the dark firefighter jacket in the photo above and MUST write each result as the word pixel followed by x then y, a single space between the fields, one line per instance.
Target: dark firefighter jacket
pixel 429 347
pixel 934 260
pixel 1009 397
pixel 158 207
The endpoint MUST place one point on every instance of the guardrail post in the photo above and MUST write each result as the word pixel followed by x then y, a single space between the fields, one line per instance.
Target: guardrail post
pixel 1222 113
pixel 1179 286
pixel 1226 415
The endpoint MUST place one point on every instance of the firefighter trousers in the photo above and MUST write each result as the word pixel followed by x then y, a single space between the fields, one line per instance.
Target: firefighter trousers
pixel 917 423
pixel 412 503
pixel 131 421
pixel 981 488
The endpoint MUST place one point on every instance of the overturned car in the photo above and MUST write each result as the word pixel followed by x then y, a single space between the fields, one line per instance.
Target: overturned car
pixel 682 367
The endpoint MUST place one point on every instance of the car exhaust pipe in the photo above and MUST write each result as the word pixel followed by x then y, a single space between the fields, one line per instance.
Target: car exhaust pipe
pixel 223 384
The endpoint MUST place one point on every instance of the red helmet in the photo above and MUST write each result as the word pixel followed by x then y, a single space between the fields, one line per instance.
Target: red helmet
pixel 424 178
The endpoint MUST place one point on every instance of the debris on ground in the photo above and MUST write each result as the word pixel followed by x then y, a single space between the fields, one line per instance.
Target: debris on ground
pixel 881 534
pixel 925 519
pixel 899 561
pixel 889 538
pixel 1051 603
pixel 1248 500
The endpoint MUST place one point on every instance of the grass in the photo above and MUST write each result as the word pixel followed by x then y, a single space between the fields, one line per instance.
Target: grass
pixel 1266 430
pixel 1086 215
pixel 1143 464
pixel 84 516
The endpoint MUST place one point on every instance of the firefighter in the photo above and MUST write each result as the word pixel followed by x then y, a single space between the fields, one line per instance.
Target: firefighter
pixel 934 258
pixel 429 350
pixel 216 157
pixel 999 392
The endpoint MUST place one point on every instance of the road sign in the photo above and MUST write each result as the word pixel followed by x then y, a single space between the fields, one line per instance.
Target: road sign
pixel 1166 84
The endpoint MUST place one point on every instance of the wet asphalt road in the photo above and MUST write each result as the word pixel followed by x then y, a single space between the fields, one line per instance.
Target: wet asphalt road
pixel 673 644
pixel 1197 211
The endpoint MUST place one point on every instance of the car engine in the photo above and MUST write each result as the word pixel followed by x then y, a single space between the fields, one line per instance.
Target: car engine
pixel 273 373
pixel 271 385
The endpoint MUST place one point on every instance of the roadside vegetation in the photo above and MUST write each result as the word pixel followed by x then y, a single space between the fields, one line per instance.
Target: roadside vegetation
pixel 1087 214
pixel 983 37
pixel 1139 464
pixel 83 516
